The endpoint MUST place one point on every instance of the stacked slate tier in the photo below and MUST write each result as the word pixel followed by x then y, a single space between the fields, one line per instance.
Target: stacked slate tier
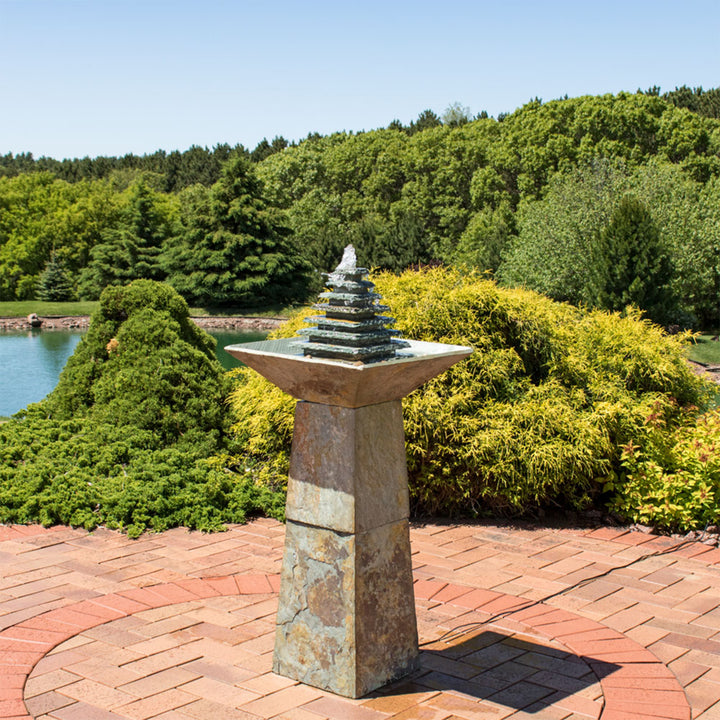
pixel 351 328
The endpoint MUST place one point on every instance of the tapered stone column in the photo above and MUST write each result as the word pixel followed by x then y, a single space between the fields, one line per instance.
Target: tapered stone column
pixel 346 618
pixel 345 623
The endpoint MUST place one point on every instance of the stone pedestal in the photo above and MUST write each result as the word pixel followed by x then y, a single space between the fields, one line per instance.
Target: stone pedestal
pixel 346 618
pixel 346 621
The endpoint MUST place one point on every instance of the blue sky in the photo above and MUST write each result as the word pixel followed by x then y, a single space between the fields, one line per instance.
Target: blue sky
pixel 109 77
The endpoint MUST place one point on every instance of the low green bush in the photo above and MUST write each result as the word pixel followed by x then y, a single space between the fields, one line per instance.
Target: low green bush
pixel 558 407
pixel 534 419
pixel 135 434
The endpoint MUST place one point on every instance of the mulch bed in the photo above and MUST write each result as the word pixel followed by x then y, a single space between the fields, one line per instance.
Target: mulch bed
pixel 711 372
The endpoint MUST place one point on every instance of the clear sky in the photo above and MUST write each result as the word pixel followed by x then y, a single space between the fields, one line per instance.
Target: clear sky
pixel 109 77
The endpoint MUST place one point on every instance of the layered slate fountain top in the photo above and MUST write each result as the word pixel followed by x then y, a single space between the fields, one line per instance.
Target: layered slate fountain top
pixel 351 327
pixel 350 357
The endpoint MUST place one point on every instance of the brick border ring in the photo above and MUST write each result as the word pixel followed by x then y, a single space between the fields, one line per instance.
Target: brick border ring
pixel 642 686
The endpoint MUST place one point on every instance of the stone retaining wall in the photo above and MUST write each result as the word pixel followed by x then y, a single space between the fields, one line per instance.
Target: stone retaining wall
pixel 83 321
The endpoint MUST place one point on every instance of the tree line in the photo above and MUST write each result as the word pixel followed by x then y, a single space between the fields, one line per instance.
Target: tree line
pixel 597 200
pixel 217 245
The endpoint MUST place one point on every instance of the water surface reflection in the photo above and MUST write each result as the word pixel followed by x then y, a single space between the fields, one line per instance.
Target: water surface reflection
pixel 31 362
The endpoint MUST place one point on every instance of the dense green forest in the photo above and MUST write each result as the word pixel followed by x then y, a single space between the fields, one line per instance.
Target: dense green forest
pixel 602 201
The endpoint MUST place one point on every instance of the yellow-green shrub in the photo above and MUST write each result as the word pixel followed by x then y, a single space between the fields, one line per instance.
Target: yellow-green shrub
pixel 534 418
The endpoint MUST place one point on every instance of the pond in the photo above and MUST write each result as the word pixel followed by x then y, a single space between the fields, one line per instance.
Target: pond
pixel 31 362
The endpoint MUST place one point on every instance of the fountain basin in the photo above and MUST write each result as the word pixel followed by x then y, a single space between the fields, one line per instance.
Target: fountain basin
pixel 347 384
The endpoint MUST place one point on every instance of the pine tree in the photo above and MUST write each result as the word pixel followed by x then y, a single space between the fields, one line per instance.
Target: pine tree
pixel 54 284
pixel 631 266
pixel 233 249
pixel 130 251
pixel 427 119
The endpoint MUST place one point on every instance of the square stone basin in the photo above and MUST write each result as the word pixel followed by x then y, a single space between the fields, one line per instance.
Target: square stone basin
pixel 347 384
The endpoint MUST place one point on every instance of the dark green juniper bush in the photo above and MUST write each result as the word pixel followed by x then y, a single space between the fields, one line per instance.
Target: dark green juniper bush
pixel 135 436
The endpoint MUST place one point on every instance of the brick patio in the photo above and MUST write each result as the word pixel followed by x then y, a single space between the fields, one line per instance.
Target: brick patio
pixel 543 623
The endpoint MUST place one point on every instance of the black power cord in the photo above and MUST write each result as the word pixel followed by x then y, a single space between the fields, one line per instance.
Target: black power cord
pixel 465 629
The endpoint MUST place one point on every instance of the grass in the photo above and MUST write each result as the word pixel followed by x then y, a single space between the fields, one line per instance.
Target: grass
pixel 705 350
pixel 23 308
pixel 281 311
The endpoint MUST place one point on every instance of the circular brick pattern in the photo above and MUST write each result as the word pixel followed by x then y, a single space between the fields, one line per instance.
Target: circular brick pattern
pixel 212 658
pixel 202 648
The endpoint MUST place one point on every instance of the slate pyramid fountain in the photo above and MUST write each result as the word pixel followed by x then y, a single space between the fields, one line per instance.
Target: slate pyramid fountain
pixel 346 618
pixel 351 328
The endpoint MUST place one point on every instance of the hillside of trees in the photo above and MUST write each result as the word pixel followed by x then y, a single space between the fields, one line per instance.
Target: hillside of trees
pixel 602 201
pixel 599 203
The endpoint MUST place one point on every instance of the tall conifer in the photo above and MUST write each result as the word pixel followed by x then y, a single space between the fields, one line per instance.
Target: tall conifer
pixel 631 266
pixel 233 249
pixel 130 251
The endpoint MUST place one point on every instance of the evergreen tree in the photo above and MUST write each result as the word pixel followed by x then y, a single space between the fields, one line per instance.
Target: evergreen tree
pixel 631 266
pixel 702 102
pixel 393 246
pixel 130 251
pixel 265 149
pixel 54 284
pixel 233 250
pixel 426 119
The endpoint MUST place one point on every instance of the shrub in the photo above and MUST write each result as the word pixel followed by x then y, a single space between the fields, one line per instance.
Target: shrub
pixel 533 419
pixel 673 474
pixel 143 362
pixel 135 434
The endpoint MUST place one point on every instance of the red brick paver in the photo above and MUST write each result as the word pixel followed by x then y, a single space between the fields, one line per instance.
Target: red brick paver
pixel 515 623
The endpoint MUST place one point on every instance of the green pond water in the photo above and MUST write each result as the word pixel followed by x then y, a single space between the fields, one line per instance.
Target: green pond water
pixel 31 362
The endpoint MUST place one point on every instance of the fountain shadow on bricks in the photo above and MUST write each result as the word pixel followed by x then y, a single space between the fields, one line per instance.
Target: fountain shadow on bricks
pixel 507 669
